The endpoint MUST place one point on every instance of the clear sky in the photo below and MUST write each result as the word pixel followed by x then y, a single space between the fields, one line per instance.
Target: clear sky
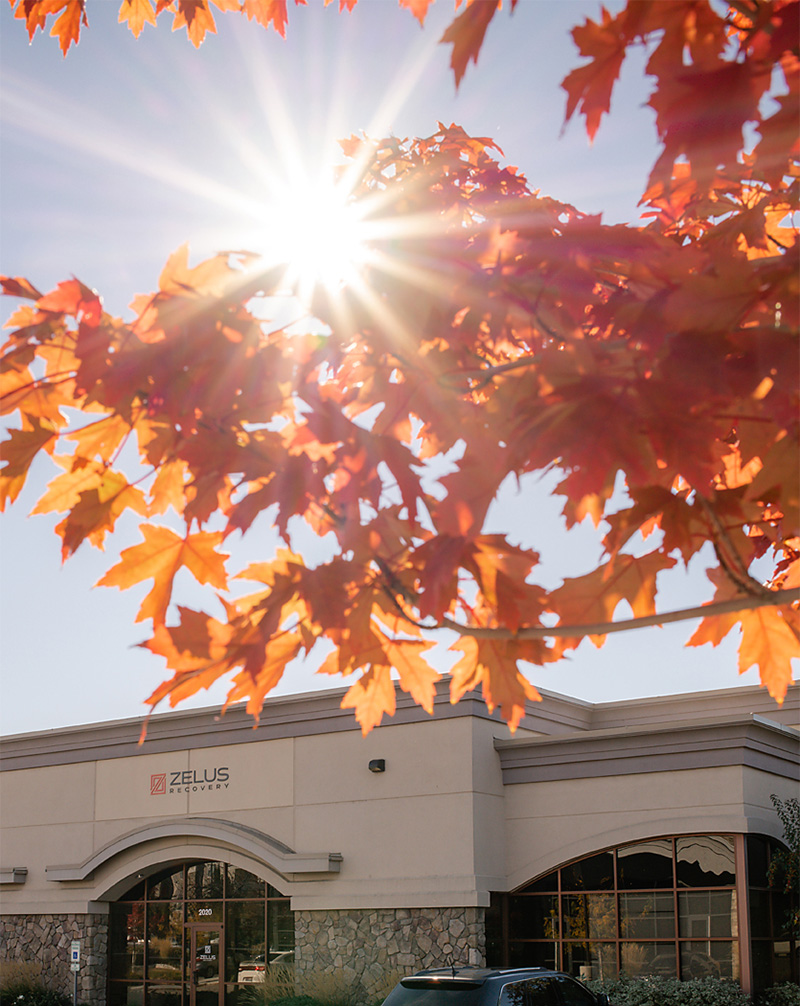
pixel 116 155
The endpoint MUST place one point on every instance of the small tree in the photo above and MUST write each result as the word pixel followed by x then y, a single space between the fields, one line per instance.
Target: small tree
pixel 784 867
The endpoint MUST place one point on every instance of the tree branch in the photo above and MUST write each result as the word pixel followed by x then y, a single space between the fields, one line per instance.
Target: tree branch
pixel 744 603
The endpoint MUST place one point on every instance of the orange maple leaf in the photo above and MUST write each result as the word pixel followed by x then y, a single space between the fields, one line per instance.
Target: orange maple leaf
pixel 64 491
pixel 196 17
pixel 101 438
pixel 18 286
pixel 279 652
pixel 419 8
pixel 370 697
pixel 270 12
pixel 590 86
pixel 67 28
pixel 197 640
pixel 97 510
pixel 159 558
pixel 18 452
pixel 373 694
pixel 770 639
pixel 136 12
pixel 32 13
pixel 492 663
pixel 466 35
pixel 593 598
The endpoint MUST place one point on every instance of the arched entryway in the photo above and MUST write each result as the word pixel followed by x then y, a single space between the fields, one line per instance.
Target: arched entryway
pixel 196 933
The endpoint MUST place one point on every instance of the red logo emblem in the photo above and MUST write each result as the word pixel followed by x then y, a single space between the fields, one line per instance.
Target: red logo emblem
pixel 158 784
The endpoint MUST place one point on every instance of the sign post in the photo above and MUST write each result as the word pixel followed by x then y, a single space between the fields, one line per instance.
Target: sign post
pixel 75 966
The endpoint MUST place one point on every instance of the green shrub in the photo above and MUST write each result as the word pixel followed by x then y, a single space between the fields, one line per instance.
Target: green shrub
pixel 20 974
pixel 787 994
pixel 16 995
pixel 281 986
pixel 658 991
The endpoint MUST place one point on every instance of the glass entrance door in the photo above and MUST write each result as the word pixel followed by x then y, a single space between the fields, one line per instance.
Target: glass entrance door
pixel 206 946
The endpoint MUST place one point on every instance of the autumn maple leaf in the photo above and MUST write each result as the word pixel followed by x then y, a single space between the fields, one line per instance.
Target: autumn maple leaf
pixel 589 87
pixel 136 13
pixel 492 664
pixel 466 34
pixel 18 452
pixel 159 558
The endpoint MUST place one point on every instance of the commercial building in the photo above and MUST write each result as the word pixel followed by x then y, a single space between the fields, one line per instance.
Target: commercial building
pixel 627 836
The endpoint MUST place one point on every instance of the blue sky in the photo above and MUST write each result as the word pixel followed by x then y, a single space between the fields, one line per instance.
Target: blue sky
pixel 116 155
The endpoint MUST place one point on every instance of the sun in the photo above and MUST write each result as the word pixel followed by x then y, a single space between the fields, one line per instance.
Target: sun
pixel 317 230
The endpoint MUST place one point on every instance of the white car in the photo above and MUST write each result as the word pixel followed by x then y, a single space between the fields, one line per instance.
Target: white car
pixel 254 970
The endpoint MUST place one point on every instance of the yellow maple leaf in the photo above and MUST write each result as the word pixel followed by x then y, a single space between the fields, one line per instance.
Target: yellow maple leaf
pixel 770 639
pixel 159 558
pixel 136 12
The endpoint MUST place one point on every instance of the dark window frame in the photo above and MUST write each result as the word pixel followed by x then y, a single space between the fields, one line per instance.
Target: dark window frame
pixel 271 898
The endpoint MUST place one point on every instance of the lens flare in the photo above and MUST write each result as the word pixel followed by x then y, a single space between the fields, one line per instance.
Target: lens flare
pixel 317 231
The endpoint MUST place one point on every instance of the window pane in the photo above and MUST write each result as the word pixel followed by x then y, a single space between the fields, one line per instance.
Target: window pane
pixel 757 860
pixel 647 916
pixel 532 955
pixel 707 913
pixel 761 951
pixel 593 874
pixel 701 959
pixel 244 940
pixel 782 905
pixel 590 960
pixel 533 916
pixel 782 961
pixel 243 884
pixel 136 893
pixel 204 880
pixel 705 861
pixel 280 930
pixel 273 892
pixel 127 941
pixel 125 995
pixel 166 886
pixel 547 883
pixel 646 865
pixel 760 913
pixel 170 995
pixel 164 939
pixel 589 916
pixel 649 959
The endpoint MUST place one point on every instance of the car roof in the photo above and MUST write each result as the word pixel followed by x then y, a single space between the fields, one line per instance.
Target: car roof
pixel 476 975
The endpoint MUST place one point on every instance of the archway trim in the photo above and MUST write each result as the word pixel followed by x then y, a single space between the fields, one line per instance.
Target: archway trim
pixel 278 857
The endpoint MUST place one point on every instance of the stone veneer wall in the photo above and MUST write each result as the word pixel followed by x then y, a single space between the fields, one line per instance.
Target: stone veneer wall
pixel 45 940
pixel 372 946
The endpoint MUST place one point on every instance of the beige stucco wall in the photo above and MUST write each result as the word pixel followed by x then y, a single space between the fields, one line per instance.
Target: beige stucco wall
pixel 551 823
pixel 438 828
pixel 415 835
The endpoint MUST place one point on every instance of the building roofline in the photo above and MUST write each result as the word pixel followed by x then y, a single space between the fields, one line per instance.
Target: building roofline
pixel 320 712
pixel 752 741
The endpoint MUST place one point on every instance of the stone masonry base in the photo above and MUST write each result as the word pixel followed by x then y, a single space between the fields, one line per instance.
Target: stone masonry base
pixel 44 942
pixel 367 949
pixel 374 946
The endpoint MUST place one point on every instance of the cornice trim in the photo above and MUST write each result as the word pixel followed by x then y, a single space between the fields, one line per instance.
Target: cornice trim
pixel 753 742
pixel 284 717
pixel 268 850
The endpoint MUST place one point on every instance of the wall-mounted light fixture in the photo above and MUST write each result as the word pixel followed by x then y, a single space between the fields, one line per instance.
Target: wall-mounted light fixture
pixel 377 765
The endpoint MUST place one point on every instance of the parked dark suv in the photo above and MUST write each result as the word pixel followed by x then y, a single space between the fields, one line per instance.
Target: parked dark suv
pixel 492 987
